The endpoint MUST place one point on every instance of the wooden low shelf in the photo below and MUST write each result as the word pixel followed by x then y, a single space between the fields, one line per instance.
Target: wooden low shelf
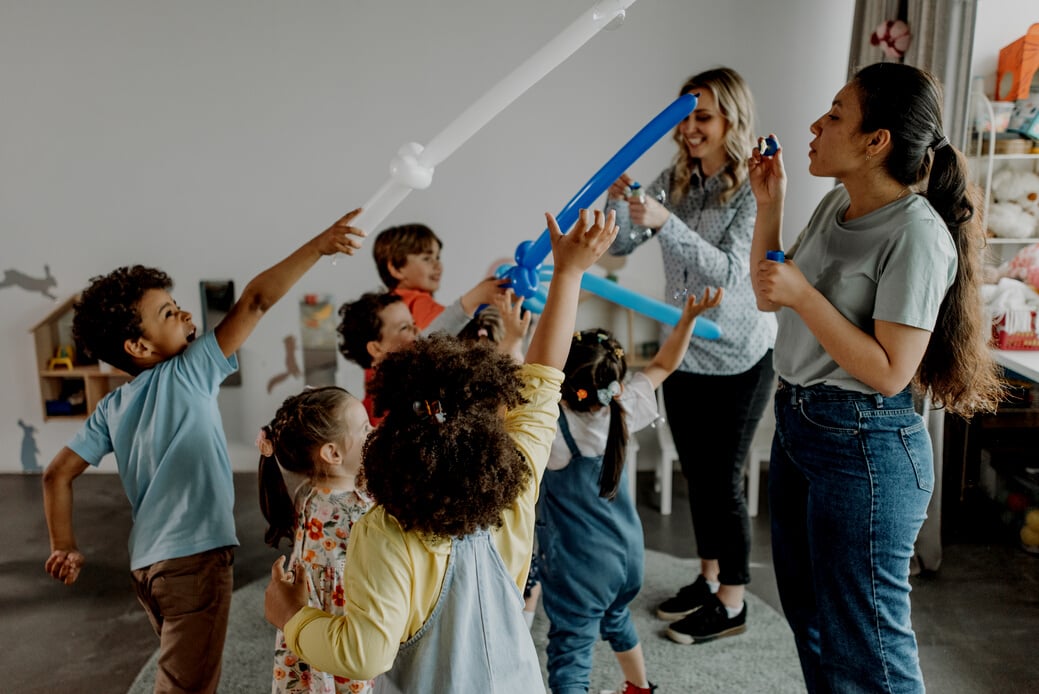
pixel 95 385
pixel 58 384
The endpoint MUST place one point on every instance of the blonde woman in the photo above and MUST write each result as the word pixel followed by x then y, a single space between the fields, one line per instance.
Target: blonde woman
pixel 701 212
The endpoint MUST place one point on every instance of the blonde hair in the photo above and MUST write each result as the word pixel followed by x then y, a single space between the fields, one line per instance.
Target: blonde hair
pixel 737 107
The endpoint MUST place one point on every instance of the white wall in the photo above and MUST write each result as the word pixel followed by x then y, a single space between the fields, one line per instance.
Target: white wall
pixel 999 23
pixel 211 139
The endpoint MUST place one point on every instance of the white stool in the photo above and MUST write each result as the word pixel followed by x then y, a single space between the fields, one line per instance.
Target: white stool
pixel 631 461
pixel 668 457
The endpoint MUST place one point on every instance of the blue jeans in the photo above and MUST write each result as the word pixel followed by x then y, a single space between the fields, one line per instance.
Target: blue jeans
pixel 849 482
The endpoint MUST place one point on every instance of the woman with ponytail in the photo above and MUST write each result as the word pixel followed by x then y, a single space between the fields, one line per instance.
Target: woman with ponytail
pixel 878 302
pixel 590 547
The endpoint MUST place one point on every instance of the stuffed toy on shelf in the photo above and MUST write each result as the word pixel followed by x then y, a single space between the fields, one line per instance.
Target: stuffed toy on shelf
pixel 1014 211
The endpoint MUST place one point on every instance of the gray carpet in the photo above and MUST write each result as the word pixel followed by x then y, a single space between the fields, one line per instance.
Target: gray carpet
pixel 761 660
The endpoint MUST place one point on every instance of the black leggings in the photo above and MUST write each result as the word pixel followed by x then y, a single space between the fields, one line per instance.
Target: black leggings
pixel 712 420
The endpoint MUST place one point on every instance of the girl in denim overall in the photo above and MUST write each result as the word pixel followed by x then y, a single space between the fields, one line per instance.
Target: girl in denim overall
pixel 589 535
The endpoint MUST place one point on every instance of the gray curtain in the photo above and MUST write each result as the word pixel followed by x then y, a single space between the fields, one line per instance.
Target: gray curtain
pixel 943 41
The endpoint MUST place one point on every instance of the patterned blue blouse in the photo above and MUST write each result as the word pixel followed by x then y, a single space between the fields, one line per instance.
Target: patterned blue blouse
pixel 706 243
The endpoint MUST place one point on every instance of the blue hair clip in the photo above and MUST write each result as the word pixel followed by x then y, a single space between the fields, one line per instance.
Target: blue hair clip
pixel 609 392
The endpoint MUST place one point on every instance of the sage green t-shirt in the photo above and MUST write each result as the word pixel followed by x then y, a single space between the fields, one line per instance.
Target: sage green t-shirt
pixel 894 264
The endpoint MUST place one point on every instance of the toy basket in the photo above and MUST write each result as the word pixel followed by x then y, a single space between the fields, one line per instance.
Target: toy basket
pixel 1015 330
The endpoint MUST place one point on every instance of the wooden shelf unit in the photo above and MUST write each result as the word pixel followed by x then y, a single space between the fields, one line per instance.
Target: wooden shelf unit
pixel 57 383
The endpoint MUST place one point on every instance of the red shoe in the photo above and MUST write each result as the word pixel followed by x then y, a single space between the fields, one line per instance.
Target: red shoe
pixel 629 688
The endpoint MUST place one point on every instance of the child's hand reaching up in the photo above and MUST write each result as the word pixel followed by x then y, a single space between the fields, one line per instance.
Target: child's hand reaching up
pixel 694 307
pixel 340 237
pixel 669 356
pixel 515 322
pixel 586 242
pixel 486 292
pixel 573 253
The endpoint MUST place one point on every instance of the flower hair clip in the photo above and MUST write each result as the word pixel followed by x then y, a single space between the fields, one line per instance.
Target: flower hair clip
pixel 581 394
pixel 426 409
pixel 609 392
pixel 263 444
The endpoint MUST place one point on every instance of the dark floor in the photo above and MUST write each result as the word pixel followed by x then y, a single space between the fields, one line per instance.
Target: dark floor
pixel 977 618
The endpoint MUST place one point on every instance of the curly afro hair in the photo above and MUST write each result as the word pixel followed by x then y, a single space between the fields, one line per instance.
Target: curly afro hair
pixel 452 475
pixel 107 313
pixel 360 322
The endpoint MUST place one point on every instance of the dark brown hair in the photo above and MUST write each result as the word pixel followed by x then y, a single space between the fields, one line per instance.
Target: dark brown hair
pixel 302 425
pixel 595 361
pixel 108 313
pixel 360 322
pixel 442 461
pixel 957 369
pixel 487 324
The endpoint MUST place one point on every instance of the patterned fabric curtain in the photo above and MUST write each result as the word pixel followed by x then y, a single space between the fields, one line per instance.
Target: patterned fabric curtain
pixel 942 42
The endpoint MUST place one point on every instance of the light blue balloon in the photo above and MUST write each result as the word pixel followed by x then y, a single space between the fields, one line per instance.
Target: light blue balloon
pixel 658 310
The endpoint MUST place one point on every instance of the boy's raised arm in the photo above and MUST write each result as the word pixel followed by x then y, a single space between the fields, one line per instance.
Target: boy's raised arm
pixel 572 253
pixel 264 290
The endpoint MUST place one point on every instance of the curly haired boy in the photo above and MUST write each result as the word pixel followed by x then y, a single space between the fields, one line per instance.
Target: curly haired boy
pixel 165 430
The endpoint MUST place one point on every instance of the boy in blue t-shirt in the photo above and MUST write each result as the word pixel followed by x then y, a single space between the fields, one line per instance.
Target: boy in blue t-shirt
pixel 165 430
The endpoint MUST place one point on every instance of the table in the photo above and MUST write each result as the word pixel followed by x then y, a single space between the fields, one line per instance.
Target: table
pixel 1023 361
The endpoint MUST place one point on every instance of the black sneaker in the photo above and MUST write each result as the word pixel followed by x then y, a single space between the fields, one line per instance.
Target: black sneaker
pixel 708 623
pixel 688 599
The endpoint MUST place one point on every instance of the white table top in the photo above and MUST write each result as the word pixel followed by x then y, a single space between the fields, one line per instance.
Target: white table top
pixel 1024 362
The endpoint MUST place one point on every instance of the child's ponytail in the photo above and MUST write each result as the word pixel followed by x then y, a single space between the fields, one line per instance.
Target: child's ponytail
pixel 616 452
pixel 957 371
pixel 275 502
pixel 594 370
pixel 302 424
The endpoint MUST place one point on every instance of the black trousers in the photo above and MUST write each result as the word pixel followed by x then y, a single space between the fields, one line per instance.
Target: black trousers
pixel 712 420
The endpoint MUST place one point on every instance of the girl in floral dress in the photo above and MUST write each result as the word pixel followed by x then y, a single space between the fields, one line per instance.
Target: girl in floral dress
pixel 317 436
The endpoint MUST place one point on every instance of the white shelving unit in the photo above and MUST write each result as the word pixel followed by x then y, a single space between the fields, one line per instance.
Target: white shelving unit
pixel 983 165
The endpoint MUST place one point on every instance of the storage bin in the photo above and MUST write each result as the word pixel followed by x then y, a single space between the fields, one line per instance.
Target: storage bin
pixel 1015 330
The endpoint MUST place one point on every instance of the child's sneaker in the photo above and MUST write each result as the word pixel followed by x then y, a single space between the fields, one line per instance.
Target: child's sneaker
pixel 629 688
pixel 708 623
pixel 688 599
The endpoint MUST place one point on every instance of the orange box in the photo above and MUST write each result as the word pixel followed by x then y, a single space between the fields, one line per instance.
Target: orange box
pixel 1017 64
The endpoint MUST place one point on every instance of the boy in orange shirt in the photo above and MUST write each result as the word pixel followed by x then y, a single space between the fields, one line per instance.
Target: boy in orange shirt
pixel 408 260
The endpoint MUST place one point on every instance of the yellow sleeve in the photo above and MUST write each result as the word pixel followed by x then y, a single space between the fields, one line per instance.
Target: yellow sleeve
pixel 378 586
pixel 533 428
